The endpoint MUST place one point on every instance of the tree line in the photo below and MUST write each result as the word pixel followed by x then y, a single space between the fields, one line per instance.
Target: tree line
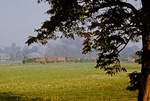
pixel 62 49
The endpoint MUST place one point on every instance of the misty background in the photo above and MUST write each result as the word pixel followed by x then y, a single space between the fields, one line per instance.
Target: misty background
pixel 19 18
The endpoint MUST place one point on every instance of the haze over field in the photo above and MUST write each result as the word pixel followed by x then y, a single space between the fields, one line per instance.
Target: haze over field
pixel 20 18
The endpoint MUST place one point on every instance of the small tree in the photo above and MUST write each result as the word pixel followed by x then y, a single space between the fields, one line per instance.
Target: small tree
pixel 107 26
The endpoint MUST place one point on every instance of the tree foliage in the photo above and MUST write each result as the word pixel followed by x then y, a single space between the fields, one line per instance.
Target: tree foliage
pixel 107 26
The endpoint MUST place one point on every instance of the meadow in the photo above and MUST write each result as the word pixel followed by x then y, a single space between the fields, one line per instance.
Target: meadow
pixel 64 82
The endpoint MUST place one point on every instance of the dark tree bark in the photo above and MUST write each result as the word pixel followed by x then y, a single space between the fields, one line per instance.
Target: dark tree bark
pixel 144 91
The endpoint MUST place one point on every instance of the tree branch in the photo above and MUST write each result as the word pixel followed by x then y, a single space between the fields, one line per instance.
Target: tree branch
pixel 125 44
pixel 119 3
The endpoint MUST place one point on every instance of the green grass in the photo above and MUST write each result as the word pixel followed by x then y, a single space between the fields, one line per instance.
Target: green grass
pixel 64 82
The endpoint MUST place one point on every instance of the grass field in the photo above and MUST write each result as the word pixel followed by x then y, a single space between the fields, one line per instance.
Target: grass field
pixel 63 82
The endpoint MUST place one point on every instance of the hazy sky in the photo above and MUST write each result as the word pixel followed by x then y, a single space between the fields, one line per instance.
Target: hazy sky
pixel 19 18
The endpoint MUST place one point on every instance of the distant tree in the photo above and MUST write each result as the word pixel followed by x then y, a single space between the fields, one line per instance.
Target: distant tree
pixel 28 50
pixel 107 26
pixel 136 56
pixel 128 51
pixel 19 55
pixel 1 50
pixel 12 51
pixel 63 48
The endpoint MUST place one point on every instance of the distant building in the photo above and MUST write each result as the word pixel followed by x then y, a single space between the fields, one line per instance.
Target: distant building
pixel 91 58
pixel 60 59
pixel 40 60
pixel 4 57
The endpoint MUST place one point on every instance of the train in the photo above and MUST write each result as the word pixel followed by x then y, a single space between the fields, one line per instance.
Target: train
pixel 58 59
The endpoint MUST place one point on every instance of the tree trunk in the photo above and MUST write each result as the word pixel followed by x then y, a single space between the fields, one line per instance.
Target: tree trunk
pixel 144 91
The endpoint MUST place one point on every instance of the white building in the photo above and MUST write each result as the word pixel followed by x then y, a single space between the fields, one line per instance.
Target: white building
pixel 4 57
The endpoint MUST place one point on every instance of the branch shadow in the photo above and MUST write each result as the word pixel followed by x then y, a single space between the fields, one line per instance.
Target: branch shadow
pixel 8 96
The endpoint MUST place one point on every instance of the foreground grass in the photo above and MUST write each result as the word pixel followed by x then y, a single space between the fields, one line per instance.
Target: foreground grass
pixel 64 82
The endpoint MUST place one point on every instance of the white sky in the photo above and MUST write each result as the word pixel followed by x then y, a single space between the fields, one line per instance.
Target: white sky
pixel 18 19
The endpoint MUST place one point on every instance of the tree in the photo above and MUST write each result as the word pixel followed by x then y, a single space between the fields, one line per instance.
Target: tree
pixel 107 26
pixel 13 51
